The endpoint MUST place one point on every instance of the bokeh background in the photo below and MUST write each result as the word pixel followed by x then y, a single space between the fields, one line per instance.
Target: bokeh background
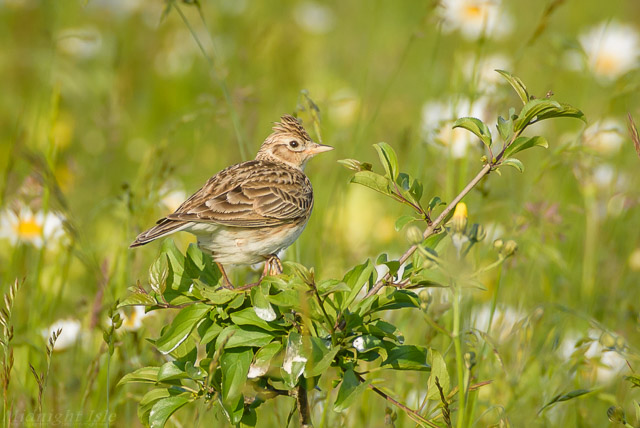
pixel 114 111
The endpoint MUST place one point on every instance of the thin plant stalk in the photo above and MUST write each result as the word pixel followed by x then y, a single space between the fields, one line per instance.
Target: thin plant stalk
pixel 457 342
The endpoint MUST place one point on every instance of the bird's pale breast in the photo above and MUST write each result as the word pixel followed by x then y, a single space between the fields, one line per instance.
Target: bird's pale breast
pixel 245 245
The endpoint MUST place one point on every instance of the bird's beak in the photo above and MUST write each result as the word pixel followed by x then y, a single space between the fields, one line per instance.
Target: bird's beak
pixel 318 148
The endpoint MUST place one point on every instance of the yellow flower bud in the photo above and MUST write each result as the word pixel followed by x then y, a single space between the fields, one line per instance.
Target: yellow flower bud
pixel 459 220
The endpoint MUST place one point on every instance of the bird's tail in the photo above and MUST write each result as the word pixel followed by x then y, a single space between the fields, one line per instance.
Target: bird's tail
pixel 163 228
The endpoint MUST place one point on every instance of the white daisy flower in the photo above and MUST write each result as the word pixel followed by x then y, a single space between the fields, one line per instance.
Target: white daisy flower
pixel 82 43
pixel 612 49
pixel 133 321
pixel 438 118
pixel 35 228
pixel 605 136
pixel 504 319
pixel 487 79
pixel 475 18
pixel 68 336
pixel 314 17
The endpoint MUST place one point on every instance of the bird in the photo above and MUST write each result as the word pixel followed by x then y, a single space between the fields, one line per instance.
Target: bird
pixel 250 211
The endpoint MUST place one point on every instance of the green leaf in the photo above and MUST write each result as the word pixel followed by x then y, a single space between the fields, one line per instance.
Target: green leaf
pixel 248 316
pixel 388 159
pixel 158 274
pixel 439 370
pixel 517 85
pixel 320 355
pixel 541 109
pixel 505 128
pixel 396 299
pixel 514 163
pixel 263 357
pixel 181 327
pixel 164 408
pixel 138 299
pixel 477 127
pixel 407 357
pixel 435 202
pixel 172 370
pixel 524 143
pixel 374 181
pixel 211 333
pixel 565 397
pixel 402 221
pixel 148 400
pixel 294 360
pixel 261 306
pixel 350 389
pixel 243 336
pixel 142 375
pixel 235 365
pixel 217 297
pixel 356 278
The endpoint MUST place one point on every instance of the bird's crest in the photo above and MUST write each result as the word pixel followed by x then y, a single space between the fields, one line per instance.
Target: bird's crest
pixel 290 125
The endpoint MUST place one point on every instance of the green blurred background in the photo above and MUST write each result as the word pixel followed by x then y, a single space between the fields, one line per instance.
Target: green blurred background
pixel 111 114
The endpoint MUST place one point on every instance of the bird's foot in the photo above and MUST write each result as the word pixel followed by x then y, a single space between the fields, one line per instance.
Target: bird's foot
pixel 226 282
pixel 273 266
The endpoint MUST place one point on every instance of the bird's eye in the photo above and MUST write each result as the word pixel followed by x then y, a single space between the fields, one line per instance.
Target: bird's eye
pixel 293 144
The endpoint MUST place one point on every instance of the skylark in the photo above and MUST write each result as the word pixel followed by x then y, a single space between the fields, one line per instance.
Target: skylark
pixel 250 211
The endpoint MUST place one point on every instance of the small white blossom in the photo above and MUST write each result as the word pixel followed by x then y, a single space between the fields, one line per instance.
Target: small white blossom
pixel 605 136
pixel 68 336
pixel 314 17
pixel 438 118
pixel 35 228
pixel 475 18
pixel 81 43
pixel 486 77
pixel 133 320
pixel 612 49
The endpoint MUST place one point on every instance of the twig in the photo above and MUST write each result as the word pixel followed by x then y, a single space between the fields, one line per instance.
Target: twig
pixel 412 414
pixel 302 402
pixel 434 226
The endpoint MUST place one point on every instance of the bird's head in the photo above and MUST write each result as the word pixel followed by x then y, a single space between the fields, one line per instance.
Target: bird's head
pixel 290 144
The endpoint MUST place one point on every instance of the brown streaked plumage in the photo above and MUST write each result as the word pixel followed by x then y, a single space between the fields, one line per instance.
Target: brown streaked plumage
pixel 250 211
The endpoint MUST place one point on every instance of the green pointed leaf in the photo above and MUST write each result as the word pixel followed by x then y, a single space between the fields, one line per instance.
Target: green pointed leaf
pixel 435 202
pixel 388 159
pixel 356 278
pixel 350 389
pixel 524 143
pixel 439 370
pixel 241 336
pixel 477 127
pixel 148 400
pixel 163 409
pixel 374 181
pixel 181 327
pixel 235 365
pixel 505 128
pixel 403 221
pixel 172 370
pixel 565 397
pixel 261 306
pixel 262 359
pixel 317 366
pixel 142 375
pixel 158 274
pixel 541 109
pixel 407 357
pixel 138 299
pixel 248 316
pixel 294 360
pixel 517 85
pixel 514 163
